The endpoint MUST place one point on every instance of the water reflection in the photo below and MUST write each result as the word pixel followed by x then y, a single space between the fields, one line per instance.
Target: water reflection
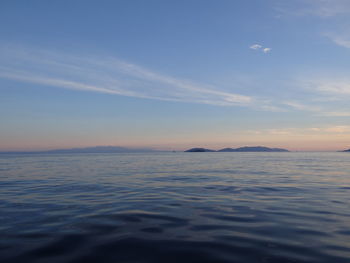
pixel 176 207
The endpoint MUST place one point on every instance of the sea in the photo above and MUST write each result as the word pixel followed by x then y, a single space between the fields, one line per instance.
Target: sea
pixel 175 207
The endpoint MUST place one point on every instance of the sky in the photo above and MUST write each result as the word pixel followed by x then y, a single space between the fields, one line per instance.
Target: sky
pixel 173 75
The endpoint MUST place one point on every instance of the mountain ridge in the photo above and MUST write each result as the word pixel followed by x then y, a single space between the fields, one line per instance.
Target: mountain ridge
pixel 253 149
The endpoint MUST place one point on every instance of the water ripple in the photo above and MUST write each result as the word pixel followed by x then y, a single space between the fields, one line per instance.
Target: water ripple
pixel 175 207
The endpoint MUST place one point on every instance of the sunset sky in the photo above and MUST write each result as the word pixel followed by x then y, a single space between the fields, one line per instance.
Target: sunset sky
pixel 175 74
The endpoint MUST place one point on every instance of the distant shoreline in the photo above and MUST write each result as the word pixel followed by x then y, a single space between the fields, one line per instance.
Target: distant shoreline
pixel 240 149
pixel 96 149
pixel 117 149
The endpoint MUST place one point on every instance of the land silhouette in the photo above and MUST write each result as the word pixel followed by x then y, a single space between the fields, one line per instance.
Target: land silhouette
pixel 240 149
pixel 200 150
pixel 118 149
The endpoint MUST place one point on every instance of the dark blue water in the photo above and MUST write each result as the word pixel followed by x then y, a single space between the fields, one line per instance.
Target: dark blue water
pixel 175 207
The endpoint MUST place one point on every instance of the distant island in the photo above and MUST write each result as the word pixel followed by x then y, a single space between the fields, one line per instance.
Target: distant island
pixel 118 149
pixel 241 149
pixel 96 149
pixel 253 149
pixel 199 150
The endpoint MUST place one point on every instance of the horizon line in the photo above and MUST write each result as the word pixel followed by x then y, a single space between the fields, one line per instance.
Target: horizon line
pixel 149 149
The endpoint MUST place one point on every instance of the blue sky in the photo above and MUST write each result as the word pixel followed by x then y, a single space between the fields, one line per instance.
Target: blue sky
pixel 175 74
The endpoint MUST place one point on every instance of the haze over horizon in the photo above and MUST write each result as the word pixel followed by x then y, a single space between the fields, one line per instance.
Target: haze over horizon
pixel 175 74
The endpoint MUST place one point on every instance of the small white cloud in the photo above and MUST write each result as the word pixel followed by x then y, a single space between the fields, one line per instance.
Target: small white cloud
pixel 260 47
pixel 255 46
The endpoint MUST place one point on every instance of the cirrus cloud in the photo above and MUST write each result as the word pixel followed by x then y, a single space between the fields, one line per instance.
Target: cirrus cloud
pixel 108 75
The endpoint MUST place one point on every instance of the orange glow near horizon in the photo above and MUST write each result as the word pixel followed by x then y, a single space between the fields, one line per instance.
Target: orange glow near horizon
pixel 292 142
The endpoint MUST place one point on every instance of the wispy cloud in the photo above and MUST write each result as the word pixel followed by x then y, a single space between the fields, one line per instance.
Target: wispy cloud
pixel 320 8
pixel 334 87
pixel 342 40
pixel 336 12
pixel 316 110
pixel 108 75
pixel 302 107
pixel 326 130
pixel 338 129
pixel 255 46
pixel 337 114
pixel 327 8
pixel 329 96
pixel 266 50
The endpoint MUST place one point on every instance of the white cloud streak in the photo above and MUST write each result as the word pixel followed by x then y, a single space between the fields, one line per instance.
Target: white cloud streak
pixel 336 12
pixel 337 87
pixel 325 130
pixel 302 107
pixel 266 50
pixel 112 76
pixel 340 40
pixel 108 75
pixel 327 8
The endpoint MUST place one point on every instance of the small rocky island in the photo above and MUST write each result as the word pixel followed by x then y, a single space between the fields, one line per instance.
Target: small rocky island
pixel 241 149
pixel 199 150
pixel 347 150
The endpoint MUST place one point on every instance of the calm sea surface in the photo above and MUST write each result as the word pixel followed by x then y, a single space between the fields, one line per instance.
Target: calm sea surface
pixel 175 207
